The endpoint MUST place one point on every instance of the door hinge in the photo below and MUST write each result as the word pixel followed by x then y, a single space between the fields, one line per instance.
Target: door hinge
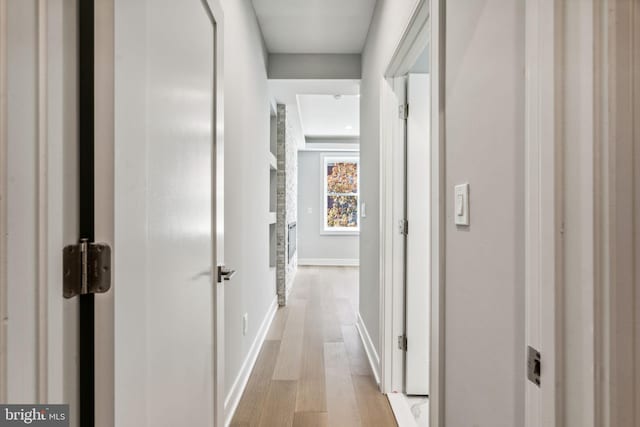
pixel 87 268
pixel 402 342
pixel 403 112
pixel 533 365
pixel 404 227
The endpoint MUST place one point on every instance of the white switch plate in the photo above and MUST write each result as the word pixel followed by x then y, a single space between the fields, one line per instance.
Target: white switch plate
pixel 461 201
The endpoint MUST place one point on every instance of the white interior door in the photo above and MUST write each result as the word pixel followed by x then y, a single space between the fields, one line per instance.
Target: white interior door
pixel 38 201
pixel 396 96
pixel 418 270
pixel 168 165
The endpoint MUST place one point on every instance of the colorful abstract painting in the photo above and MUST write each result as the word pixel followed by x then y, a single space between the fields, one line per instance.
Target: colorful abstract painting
pixel 341 194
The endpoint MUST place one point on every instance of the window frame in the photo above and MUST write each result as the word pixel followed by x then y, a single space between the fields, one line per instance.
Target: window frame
pixel 325 160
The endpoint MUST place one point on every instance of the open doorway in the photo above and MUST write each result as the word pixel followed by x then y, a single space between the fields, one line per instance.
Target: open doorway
pixel 329 207
pixel 412 242
pixel 313 367
pixel 408 224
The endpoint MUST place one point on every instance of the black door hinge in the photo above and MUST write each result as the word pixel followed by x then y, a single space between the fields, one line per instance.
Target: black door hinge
pixel 533 365
pixel 404 227
pixel 403 112
pixel 402 342
pixel 86 268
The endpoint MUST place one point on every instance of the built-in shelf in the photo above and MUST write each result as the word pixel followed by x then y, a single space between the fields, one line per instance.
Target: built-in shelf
pixel 273 183
pixel 272 245
pixel 273 131
pixel 273 187
pixel 273 162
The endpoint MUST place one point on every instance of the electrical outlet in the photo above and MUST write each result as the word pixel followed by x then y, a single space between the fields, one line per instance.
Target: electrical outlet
pixel 245 323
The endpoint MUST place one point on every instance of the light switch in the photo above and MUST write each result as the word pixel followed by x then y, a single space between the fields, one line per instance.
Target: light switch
pixel 461 199
pixel 363 210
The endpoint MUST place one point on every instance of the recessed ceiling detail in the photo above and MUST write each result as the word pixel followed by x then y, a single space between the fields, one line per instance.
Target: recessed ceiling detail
pixel 314 26
pixel 330 116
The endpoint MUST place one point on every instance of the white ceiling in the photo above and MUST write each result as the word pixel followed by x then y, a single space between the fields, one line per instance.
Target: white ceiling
pixel 287 91
pixel 314 26
pixel 330 116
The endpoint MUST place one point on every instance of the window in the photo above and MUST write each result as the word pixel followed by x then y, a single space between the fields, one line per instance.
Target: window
pixel 341 195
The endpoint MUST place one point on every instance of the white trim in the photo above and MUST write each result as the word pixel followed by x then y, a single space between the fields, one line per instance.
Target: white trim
pixel 401 410
pixel 354 149
pixel 369 348
pixel 3 199
pixel 214 7
pixel 235 394
pixel 337 262
pixel 42 197
pixel 543 178
pixel 617 203
pixel 437 53
pixel 104 204
pixel 388 107
pixel 416 37
pixel 427 19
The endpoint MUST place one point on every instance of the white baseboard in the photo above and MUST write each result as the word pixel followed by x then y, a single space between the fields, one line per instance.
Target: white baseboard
pixel 369 348
pixel 333 262
pixel 233 398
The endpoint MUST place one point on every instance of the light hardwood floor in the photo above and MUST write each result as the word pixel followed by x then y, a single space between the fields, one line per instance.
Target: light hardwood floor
pixel 312 369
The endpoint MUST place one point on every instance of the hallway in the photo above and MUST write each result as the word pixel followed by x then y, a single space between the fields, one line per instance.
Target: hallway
pixel 312 369
pixel 336 213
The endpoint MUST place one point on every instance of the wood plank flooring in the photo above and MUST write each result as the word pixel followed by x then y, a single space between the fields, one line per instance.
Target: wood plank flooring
pixel 312 370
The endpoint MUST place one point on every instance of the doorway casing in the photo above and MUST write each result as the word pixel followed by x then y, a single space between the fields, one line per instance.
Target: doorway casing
pixel 424 31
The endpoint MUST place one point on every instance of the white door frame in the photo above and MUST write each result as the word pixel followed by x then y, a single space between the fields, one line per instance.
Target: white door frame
pixel 617 204
pixel 217 209
pixel 49 374
pixel 543 215
pixel 3 200
pixel 438 212
pixel 393 244
pixel 424 29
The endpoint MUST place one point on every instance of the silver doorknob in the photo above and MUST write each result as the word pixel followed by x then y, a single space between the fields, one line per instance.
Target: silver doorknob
pixel 225 273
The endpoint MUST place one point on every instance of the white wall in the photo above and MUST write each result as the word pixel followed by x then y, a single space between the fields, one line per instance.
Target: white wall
pixel 314 66
pixel 484 128
pixel 389 21
pixel 312 245
pixel 484 147
pixel 247 128
pixel 22 200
